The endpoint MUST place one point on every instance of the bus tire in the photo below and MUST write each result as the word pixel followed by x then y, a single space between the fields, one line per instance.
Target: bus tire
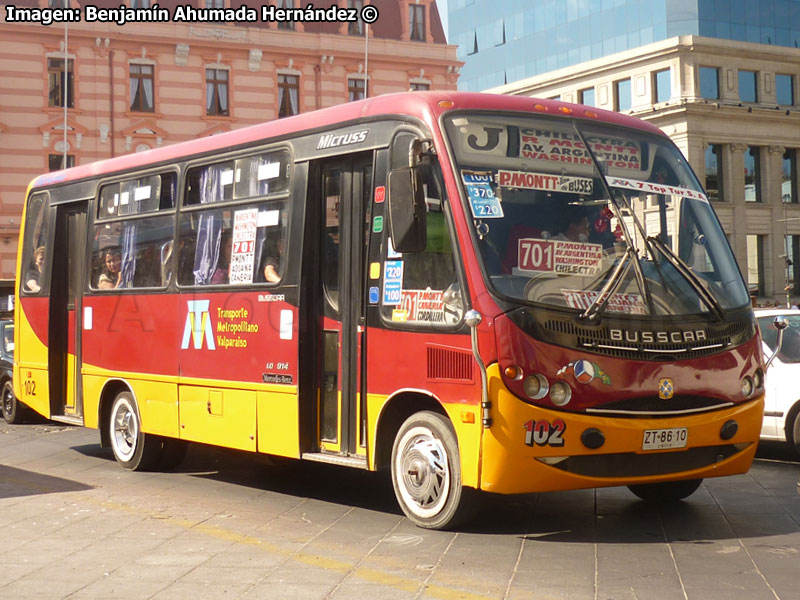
pixel 669 491
pixel 133 449
pixel 13 410
pixel 426 472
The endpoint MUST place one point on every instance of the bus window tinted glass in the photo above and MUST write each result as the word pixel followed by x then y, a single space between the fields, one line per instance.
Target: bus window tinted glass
pixel 136 196
pixel 35 250
pixel 134 253
pixel 247 177
pixel 240 245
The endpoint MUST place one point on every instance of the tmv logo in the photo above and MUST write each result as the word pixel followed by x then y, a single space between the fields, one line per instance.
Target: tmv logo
pixel 198 325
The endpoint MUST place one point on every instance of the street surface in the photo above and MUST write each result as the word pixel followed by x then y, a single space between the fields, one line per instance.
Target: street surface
pixel 225 524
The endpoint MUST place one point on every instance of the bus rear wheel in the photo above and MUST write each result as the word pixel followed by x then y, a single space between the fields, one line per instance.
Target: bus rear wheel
pixel 13 410
pixel 133 449
pixel 426 472
pixel 669 491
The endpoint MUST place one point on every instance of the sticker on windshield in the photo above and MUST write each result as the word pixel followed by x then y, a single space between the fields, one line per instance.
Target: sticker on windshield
pixel 558 256
pixel 482 200
pixel 423 305
pixel 392 282
pixel 655 188
pixel 631 304
pixel 544 182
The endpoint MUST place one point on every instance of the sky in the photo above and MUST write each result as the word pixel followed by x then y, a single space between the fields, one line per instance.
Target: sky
pixel 442 6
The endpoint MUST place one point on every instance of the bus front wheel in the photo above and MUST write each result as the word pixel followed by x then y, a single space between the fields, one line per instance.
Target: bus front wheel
pixel 133 449
pixel 13 410
pixel 669 491
pixel 426 472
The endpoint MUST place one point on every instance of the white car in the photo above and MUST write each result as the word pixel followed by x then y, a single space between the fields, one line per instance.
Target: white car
pixel 782 401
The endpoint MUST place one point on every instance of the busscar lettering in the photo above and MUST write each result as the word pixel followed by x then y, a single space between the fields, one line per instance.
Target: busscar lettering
pixel 658 337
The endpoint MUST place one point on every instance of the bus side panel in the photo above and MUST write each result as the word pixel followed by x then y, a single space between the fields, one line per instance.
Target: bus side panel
pixel 426 362
pixel 219 416
pixel 31 378
pixel 278 415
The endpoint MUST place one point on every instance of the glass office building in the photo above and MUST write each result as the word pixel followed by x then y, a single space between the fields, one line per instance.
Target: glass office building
pixel 507 40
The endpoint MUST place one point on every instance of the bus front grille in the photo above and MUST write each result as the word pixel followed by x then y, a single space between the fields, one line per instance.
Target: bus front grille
pixel 629 464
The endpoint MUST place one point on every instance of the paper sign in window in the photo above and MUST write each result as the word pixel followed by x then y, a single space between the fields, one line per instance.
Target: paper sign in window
pixel 557 256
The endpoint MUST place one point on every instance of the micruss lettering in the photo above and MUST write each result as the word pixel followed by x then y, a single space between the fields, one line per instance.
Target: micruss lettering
pixel 330 140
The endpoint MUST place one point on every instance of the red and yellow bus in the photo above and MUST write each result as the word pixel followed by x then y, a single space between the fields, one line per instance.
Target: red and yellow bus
pixel 476 292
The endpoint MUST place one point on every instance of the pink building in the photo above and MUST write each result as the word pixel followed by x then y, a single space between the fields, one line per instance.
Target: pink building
pixel 158 81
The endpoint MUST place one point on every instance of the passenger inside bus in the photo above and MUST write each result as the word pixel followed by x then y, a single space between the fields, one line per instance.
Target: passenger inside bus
pixel 33 278
pixel 273 249
pixel 222 272
pixel 111 273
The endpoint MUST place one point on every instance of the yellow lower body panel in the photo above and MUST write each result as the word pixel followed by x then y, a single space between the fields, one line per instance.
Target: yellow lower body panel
pixel 517 460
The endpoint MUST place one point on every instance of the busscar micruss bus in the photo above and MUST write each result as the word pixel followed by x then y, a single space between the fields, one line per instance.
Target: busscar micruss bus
pixel 477 292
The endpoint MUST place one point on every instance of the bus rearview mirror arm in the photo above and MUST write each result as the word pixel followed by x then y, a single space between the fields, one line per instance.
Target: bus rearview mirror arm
pixel 473 318
pixel 780 323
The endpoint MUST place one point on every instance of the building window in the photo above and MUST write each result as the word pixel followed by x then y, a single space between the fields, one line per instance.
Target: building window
pixel 789 177
pixel 356 88
pixel 289 25
pixel 755 264
pixel 140 3
pixel 142 88
pixel 214 3
pixel 56 87
pixel 55 162
pixel 714 171
pixel 586 97
pixel 622 95
pixel 752 174
pixel 419 87
pixel 288 95
pixel 792 258
pixel 784 89
pixel 748 86
pixel 416 18
pixel 474 49
pixel 356 27
pixel 662 86
pixel 217 92
pixel 709 83
pixel 58 3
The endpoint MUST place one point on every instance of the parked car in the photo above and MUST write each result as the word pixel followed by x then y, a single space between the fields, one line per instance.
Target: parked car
pixel 13 410
pixel 782 401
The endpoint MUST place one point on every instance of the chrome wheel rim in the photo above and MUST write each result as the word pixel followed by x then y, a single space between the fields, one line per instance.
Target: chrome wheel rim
pixel 423 472
pixel 124 430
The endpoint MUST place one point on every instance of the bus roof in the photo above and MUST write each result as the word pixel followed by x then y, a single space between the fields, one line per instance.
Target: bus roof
pixel 425 105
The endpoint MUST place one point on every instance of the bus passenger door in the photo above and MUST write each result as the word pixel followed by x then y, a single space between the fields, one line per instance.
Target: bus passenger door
pixel 66 400
pixel 345 187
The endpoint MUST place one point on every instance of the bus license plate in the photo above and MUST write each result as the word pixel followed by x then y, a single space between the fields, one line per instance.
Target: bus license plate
pixel 660 439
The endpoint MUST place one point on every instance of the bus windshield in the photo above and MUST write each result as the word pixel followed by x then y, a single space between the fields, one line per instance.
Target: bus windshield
pixel 590 217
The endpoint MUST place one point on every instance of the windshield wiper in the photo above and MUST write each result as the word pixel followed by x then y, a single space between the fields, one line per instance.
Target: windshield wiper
pixel 705 295
pixel 611 285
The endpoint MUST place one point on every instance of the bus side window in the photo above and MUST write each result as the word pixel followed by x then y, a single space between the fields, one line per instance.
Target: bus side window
pixel 35 251
pixel 427 280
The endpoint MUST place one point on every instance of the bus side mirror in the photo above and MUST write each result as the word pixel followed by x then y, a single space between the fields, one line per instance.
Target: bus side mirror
pixel 780 323
pixel 407 222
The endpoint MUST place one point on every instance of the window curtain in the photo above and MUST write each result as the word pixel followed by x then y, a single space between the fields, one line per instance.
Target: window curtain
pixel 129 232
pixel 148 92
pixel 209 97
pixel 134 85
pixel 222 90
pixel 293 98
pixel 209 227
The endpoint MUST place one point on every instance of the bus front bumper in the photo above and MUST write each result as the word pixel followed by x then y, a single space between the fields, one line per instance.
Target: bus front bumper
pixel 532 449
